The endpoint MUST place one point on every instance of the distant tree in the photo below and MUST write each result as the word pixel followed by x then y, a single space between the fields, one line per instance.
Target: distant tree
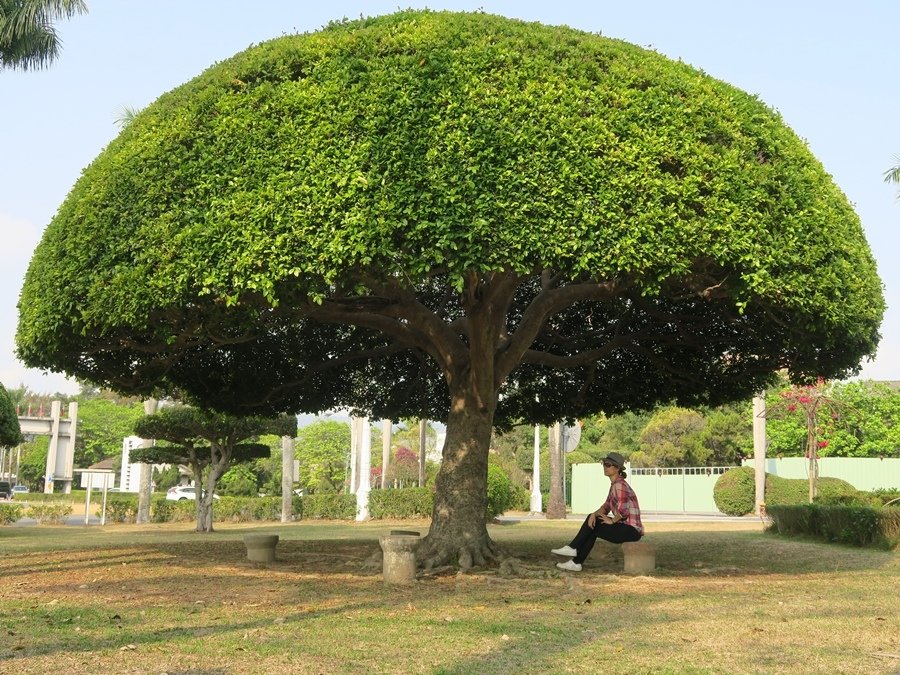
pixel 672 437
pixel 728 434
pixel 403 470
pixel 210 443
pixel 28 38
pixel 239 481
pixel 622 433
pixel 102 425
pixel 10 432
pixel 323 448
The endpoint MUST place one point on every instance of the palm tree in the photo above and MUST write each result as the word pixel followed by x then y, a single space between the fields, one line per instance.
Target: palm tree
pixel 892 175
pixel 28 38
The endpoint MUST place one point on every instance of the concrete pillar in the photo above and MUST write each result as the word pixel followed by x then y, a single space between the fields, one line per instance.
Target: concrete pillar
pixel 287 479
pixel 536 498
pixel 365 469
pixel 759 452
pixel 385 451
pixel 399 563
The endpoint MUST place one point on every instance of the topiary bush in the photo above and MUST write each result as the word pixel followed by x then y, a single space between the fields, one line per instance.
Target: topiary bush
pixel 735 490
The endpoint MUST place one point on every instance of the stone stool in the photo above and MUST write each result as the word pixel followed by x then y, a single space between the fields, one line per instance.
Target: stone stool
pixel 399 564
pixel 640 557
pixel 261 547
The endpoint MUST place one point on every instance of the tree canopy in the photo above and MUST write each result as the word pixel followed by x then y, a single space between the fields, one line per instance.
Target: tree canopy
pixel 209 442
pixel 453 216
pixel 10 431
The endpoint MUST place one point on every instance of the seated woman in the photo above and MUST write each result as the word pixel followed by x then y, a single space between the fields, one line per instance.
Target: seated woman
pixel 617 521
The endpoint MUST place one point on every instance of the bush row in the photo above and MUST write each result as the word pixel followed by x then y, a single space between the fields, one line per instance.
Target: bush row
pixel 388 503
pixel 856 525
pixel 735 491
pixel 52 512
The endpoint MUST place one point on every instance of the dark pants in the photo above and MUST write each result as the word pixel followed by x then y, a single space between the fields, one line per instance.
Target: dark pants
pixel 617 533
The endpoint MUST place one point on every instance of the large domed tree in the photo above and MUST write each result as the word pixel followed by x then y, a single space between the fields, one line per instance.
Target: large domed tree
pixel 453 216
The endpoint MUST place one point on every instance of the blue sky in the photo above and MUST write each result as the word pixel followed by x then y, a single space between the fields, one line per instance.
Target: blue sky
pixel 830 68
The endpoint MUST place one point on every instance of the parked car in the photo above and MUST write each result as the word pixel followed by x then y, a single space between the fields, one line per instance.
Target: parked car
pixel 180 492
pixel 6 491
pixel 20 489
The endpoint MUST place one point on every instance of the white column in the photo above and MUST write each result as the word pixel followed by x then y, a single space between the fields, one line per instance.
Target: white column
pixel 354 454
pixel 385 450
pixel 759 450
pixel 365 469
pixel 536 499
pixel 287 479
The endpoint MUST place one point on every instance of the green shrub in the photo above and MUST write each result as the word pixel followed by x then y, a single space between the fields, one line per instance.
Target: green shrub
pixel 330 506
pixel 735 491
pixel 415 502
pixel 121 508
pixel 521 499
pixel 51 512
pixel 855 525
pixel 499 492
pixel 10 513
pixel 885 495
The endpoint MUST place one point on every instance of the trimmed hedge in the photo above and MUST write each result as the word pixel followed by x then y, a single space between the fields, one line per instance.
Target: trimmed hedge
pixel 330 506
pixel 50 512
pixel 855 525
pixel 417 502
pixel 735 491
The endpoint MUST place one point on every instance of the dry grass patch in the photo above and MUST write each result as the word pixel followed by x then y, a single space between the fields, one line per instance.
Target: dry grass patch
pixel 726 598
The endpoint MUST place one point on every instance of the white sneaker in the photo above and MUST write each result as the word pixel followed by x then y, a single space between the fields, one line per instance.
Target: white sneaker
pixel 565 550
pixel 569 566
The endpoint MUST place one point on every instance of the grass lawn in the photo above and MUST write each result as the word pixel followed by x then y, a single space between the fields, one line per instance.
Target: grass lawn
pixel 726 598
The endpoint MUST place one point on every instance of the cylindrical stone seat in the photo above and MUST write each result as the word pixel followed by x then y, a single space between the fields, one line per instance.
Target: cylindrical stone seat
pixel 399 565
pixel 640 557
pixel 261 547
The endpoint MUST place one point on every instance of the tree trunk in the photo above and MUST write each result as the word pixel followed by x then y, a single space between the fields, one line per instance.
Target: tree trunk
pixel 556 504
pixel 458 532
pixel 145 484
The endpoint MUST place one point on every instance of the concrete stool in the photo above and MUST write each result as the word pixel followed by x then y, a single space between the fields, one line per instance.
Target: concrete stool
pixel 399 565
pixel 261 547
pixel 640 557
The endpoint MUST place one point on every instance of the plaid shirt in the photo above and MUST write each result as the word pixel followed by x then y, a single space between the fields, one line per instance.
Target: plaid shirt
pixel 623 501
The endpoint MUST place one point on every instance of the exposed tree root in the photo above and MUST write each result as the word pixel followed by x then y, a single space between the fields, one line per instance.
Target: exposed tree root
pixel 432 554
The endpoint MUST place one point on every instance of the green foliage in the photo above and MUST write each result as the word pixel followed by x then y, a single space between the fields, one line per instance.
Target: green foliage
pixel 672 437
pixel 329 506
pixel 622 433
pixel 499 492
pixel 122 508
pixel 10 433
pixel 734 491
pixel 166 478
pixel 50 512
pixel 451 147
pixel 10 513
pixel 246 509
pixel 855 525
pixel 323 448
pixel 413 502
pixel 787 491
pixel 238 481
pixel 102 424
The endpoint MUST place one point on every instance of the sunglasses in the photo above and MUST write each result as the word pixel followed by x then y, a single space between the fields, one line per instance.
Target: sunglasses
pixel 606 465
